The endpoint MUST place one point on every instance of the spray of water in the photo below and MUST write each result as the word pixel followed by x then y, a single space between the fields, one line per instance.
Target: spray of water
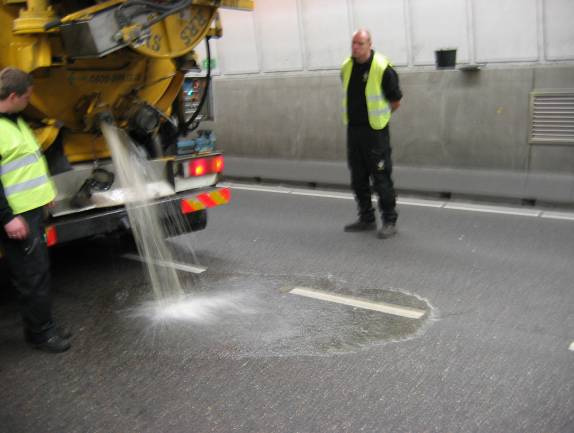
pixel 151 229
pixel 145 220
pixel 195 308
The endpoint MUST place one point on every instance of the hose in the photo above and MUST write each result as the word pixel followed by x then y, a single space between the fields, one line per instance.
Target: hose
pixel 185 128
pixel 148 6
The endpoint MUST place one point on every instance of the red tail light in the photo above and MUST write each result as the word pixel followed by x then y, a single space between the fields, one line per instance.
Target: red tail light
pixel 217 164
pixel 203 166
pixel 51 236
pixel 198 167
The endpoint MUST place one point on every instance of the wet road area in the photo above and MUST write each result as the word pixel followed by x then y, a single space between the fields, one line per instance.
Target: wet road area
pixel 489 352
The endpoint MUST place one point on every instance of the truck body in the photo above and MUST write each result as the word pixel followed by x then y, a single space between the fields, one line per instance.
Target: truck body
pixel 123 62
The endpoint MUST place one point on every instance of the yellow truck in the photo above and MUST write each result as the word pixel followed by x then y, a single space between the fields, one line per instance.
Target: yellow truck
pixel 123 62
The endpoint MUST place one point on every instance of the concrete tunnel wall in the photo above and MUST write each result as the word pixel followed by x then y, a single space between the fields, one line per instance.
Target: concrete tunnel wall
pixel 459 132
pixel 277 91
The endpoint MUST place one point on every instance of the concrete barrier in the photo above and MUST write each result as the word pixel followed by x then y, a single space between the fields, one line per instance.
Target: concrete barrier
pixel 541 187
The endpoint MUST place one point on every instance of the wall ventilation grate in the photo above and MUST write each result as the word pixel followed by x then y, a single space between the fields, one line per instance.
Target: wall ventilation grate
pixel 552 117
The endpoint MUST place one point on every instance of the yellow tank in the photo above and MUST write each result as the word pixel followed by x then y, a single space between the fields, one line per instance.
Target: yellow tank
pixel 93 57
pixel 122 62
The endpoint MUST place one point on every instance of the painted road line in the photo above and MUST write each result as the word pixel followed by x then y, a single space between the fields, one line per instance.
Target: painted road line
pixel 571 347
pixel 383 307
pixel 422 203
pixel 328 194
pixel 492 209
pixel 558 215
pixel 469 207
pixel 256 188
pixel 324 195
pixel 178 266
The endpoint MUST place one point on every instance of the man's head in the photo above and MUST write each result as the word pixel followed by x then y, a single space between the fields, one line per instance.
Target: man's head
pixel 361 47
pixel 15 90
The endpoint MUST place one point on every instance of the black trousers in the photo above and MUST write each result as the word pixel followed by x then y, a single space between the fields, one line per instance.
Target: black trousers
pixel 369 160
pixel 29 265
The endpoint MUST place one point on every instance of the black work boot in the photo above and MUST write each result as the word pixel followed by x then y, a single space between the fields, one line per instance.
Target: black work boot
pixel 64 332
pixel 56 341
pixel 361 226
pixel 54 344
pixel 388 230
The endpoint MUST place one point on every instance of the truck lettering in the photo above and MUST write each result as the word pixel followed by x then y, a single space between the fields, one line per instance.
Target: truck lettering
pixel 190 31
pixel 111 78
pixel 154 42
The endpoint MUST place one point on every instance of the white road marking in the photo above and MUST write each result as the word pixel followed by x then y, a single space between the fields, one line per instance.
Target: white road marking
pixel 469 207
pixel 396 310
pixel 324 195
pixel 571 347
pixel 179 266
pixel 558 215
pixel 257 188
pixel 492 209
pixel 422 203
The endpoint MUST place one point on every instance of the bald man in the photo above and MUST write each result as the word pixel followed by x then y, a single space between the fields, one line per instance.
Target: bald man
pixel 371 94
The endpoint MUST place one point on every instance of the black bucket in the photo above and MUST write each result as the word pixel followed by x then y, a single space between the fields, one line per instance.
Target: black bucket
pixel 445 59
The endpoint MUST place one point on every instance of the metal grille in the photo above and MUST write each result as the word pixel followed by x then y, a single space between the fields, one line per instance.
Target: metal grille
pixel 552 117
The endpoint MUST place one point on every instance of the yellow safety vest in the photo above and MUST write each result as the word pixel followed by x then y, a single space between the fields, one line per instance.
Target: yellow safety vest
pixel 378 107
pixel 23 169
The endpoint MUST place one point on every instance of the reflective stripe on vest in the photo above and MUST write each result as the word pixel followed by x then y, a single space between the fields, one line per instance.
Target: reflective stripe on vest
pixel 23 186
pixel 14 165
pixel 378 107
pixel 23 170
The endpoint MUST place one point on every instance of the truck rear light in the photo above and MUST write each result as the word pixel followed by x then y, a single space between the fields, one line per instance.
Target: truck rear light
pixel 217 164
pixel 51 236
pixel 202 166
pixel 198 167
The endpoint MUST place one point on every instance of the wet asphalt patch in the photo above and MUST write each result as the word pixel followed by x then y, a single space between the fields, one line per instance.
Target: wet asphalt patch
pixel 252 315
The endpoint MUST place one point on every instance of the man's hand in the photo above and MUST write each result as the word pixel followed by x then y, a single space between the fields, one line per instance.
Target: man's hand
pixel 17 228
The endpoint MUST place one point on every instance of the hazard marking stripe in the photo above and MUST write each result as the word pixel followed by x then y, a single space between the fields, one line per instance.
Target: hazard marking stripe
pixel 197 205
pixel 206 200
pixel 226 194
pixel 187 206
pixel 218 198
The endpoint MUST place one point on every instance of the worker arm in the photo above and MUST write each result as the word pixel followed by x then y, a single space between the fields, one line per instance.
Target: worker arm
pixel 15 226
pixel 6 214
pixel 391 88
pixel 5 210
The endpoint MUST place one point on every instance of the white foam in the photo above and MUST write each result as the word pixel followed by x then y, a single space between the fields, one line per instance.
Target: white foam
pixel 192 308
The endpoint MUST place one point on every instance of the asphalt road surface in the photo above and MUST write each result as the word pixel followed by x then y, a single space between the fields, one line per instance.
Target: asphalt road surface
pixel 464 322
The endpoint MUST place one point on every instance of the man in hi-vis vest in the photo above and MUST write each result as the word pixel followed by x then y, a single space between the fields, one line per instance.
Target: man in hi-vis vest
pixel 25 188
pixel 371 94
